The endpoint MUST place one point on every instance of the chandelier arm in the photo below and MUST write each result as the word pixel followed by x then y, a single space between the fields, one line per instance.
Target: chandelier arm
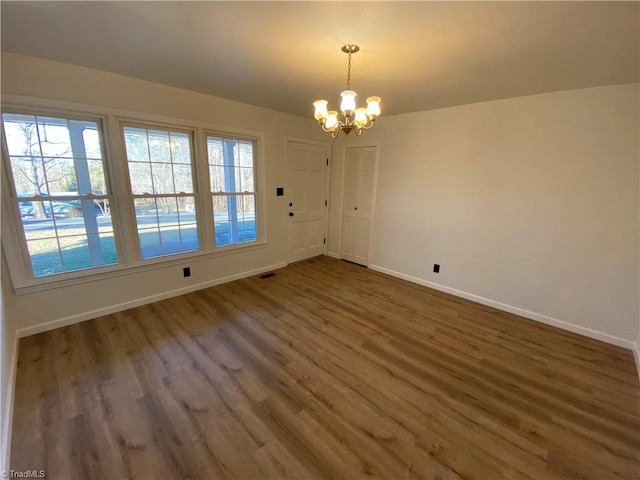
pixel 368 125
pixel 338 126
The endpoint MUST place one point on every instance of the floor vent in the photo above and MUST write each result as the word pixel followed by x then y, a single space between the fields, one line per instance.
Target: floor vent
pixel 267 275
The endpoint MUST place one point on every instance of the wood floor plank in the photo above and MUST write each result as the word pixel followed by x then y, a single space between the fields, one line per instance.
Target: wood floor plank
pixel 324 370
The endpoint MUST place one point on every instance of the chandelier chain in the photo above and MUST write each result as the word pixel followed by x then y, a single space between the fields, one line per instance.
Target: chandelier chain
pixel 349 73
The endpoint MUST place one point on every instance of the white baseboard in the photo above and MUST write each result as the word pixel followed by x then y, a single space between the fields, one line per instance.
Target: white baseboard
pixel 587 332
pixel 81 317
pixel 8 413
pixel 334 255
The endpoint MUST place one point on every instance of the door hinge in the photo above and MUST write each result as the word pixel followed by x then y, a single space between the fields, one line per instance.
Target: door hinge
pixel 325 203
pixel 324 241
pixel 327 161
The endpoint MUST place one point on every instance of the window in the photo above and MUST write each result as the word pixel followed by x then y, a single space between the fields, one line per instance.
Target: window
pixel 160 172
pixel 92 194
pixel 231 175
pixel 60 192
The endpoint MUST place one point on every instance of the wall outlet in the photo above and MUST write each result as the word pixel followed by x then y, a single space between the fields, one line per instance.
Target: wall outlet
pixel 186 272
pixel 436 268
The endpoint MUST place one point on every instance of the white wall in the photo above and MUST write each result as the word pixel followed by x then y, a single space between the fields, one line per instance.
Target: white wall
pixel 51 80
pixel 7 369
pixel 529 202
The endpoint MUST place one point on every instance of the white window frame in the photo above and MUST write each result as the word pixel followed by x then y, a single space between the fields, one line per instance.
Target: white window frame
pixel 122 209
pixel 20 266
pixel 196 194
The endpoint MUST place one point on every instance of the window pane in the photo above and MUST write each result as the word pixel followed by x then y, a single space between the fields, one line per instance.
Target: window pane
pixel 140 174
pixel 166 226
pixel 159 146
pixel 75 252
pixel 92 145
pixel 60 175
pixel 216 177
pixel 136 143
pixel 180 148
pixel 96 174
pixel 159 161
pixel 26 209
pixel 28 175
pixel 214 149
pixel 245 154
pixel 182 178
pixel 221 221
pixel 45 257
pixel 150 245
pixel 246 179
pixel 162 178
pixel 49 158
pixel 54 137
pixel 234 219
pixel 145 207
pixel 21 134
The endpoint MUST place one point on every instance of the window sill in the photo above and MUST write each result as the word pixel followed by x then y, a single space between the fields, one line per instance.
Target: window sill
pixel 84 276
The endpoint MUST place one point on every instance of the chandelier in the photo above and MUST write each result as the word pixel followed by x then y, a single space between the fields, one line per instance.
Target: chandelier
pixel 357 119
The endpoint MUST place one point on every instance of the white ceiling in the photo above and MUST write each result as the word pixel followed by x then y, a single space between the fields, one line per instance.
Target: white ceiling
pixel 283 55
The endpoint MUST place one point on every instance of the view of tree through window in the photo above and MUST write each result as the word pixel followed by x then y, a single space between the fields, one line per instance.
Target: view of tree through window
pixel 231 173
pixel 60 192
pixel 160 172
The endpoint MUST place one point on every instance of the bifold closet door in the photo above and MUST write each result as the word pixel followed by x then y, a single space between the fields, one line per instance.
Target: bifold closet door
pixel 359 200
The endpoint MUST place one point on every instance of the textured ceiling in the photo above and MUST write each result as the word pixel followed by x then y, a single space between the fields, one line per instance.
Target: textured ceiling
pixel 283 55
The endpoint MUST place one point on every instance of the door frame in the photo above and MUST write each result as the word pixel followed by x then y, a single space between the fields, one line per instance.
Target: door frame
pixel 343 179
pixel 327 184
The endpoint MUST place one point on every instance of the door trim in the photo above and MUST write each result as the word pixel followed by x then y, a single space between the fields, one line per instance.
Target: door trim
pixel 327 185
pixel 343 179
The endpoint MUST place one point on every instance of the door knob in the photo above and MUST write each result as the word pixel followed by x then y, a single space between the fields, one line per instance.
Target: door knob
pixel 291 214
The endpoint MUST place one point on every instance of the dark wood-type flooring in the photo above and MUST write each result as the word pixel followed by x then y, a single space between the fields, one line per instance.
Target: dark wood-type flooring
pixel 325 370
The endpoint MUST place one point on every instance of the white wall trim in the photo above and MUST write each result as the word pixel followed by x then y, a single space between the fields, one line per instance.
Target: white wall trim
pixel 587 332
pixel 81 317
pixel 334 255
pixel 636 355
pixel 8 413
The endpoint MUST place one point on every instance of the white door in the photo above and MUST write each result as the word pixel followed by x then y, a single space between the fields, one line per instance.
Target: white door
pixel 359 199
pixel 306 200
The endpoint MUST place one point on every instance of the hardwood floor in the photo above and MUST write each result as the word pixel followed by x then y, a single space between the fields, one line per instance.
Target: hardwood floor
pixel 325 370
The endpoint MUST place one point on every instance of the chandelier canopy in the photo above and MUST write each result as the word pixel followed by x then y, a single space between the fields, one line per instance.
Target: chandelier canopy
pixel 357 119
